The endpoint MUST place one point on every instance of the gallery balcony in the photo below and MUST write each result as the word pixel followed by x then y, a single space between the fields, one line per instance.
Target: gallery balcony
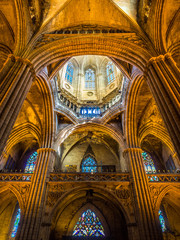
pixel 90 177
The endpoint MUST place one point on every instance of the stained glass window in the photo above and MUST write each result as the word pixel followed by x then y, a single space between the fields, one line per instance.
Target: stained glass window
pixel 91 112
pixel 16 223
pixel 88 225
pixel 110 72
pixel 162 221
pixel 69 73
pixel 31 163
pixel 90 79
pixel 148 163
pixel 89 165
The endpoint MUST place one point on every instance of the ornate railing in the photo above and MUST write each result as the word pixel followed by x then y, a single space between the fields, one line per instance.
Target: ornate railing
pixel 86 177
pixel 15 177
pixel 164 177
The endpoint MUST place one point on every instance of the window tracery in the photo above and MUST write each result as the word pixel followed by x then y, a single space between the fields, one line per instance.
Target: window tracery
pixel 31 163
pixel 89 165
pixel 88 225
pixel 110 72
pixel 16 223
pixel 89 79
pixel 69 73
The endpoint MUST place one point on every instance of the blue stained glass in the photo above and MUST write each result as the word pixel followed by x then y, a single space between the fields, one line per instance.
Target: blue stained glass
pixel 31 163
pixel 148 163
pixel 90 79
pixel 162 221
pixel 16 223
pixel 89 165
pixel 110 72
pixel 87 111
pixel 69 73
pixel 88 225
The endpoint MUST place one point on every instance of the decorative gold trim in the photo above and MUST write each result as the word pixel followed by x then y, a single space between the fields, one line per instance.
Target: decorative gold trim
pixel 46 149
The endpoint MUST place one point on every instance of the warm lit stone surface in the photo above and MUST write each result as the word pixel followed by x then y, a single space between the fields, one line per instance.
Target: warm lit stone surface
pixel 41 111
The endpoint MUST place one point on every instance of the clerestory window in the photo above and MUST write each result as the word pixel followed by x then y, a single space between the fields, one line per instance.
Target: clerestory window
pixel 89 79
pixel 69 73
pixel 110 72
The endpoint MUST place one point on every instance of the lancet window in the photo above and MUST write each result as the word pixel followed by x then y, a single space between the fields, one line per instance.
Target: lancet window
pixel 69 73
pixel 162 221
pixel 148 163
pixel 88 225
pixel 89 165
pixel 16 223
pixel 31 163
pixel 89 79
pixel 110 72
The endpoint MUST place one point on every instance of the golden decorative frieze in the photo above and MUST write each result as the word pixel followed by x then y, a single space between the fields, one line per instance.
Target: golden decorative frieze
pixel 86 177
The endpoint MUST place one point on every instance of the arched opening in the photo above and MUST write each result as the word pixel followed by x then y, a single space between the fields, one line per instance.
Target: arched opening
pixel 9 215
pixel 169 215
pixel 88 214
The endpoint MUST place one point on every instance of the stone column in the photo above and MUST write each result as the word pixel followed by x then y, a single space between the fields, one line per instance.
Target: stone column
pixel 143 206
pixel 163 79
pixel 15 81
pixel 31 222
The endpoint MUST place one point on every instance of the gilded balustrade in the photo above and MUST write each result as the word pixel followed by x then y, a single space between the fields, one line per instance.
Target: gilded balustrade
pixel 164 177
pixel 86 177
pixel 16 177
pixel 81 177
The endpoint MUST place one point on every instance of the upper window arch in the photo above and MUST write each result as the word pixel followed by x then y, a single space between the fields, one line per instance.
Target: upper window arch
pixel 90 79
pixel 69 73
pixel 110 72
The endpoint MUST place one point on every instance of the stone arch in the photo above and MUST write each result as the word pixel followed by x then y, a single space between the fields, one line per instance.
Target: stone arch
pixel 159 132
pixel 116 135
pixel 169 197
pixel 130 118
pixel 48 123
pixel 10 199
pixel 106 46
pixel 81 192
pixel 17 194
pixel 162 194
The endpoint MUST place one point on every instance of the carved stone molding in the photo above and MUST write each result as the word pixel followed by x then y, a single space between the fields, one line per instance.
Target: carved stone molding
pixel 124 194
pixel 54 193
pixel 155 191
pixel 24 190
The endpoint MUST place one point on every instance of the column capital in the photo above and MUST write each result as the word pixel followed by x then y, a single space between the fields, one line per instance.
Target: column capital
pixel 138 149
pixel 26 61
pixel 46 150
pixel 157 59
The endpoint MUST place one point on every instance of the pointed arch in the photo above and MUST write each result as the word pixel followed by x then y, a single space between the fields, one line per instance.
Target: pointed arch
pixel 89 224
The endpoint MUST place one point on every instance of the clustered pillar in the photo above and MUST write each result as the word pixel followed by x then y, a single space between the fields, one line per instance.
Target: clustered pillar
pixel 143 206
pixel 31 221
pixel 15 81
pixel 163 79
